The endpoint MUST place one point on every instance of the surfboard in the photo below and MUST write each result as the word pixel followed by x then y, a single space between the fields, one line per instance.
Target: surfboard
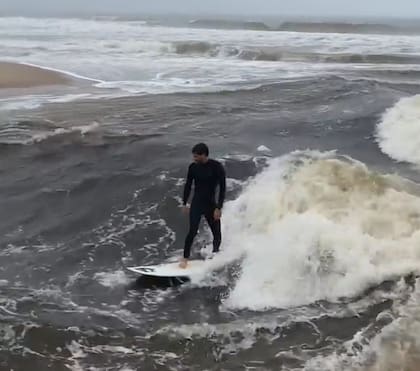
pixel 170 269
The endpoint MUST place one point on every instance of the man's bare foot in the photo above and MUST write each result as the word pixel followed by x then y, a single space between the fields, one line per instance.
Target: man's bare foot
pixel 183 264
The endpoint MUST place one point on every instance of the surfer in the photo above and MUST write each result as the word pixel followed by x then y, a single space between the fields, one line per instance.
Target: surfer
pixel 207 175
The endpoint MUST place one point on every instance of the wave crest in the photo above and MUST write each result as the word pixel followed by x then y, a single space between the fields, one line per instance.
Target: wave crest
pixel 314 227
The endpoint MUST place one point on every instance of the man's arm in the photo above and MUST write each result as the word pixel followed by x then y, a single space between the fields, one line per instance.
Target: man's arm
pixel 188 184
pixel 222 186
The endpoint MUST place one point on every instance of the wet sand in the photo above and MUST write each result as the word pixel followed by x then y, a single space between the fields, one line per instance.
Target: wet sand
pixel 15 76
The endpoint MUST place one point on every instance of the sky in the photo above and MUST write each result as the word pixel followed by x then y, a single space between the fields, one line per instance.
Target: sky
pixel 319 8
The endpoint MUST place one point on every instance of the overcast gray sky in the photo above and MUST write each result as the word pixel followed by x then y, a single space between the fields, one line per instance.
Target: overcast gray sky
pixel 398 8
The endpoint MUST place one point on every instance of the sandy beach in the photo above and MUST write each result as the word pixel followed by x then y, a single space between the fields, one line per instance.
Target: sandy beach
pixel 15 75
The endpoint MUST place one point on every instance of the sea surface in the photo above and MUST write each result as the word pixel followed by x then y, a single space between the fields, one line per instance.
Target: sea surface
pixel 320 137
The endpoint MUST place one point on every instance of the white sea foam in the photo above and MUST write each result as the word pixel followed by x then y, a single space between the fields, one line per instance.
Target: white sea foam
pixel 313 227
pixel 83 130
pixel 112 279
pixel 398 133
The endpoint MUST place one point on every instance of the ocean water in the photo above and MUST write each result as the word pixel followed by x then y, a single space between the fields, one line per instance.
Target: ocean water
pixel 319 134
pixel 132 57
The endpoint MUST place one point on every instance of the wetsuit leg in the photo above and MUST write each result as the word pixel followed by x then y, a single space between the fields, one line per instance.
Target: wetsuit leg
pixel 215 227
pixel 195 217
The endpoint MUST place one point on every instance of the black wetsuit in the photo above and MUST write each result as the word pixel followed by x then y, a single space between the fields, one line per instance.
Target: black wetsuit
pixel 207 177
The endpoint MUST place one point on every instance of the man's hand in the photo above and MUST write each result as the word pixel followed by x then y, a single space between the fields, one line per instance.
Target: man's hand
pixel 217 214
pixel 186 209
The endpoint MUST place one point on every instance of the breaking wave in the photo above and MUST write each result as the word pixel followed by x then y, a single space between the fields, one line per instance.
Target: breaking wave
pixel 315 227
pixel 318 27
pixel 203 48
pixel 398 134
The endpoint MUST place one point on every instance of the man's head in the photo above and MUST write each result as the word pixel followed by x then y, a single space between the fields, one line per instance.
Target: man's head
pixel 200 153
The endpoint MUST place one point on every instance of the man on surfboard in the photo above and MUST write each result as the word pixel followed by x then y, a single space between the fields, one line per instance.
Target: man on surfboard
pixel 207 174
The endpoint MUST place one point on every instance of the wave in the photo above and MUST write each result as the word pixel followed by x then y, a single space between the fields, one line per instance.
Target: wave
pixel 196 47
pixel 280 54
pixel 398 345
pixel 313 226
pixel 310 27
pixel 339 27
pixel 83 130
pixel 398 134
pixel 32 132
pixel 271 54
pixel 229 24
pixel 395 346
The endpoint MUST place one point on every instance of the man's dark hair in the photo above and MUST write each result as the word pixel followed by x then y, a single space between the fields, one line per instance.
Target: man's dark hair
pixel 200 149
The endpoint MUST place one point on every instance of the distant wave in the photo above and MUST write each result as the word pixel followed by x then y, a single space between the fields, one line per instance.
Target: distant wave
pixel 196 47
pixel 369 28
pixel 323 27
pixel 279 54
pixel 226 24
pixel 229 24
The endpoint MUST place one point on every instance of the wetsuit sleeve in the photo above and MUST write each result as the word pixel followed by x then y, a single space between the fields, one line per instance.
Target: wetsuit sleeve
pixel 222 185
pixel 188 184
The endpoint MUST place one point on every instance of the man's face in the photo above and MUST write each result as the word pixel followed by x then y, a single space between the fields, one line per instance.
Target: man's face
pixel 199 159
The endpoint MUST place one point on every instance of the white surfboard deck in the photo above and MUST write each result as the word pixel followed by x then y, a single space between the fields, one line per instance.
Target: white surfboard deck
pixel 194 267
